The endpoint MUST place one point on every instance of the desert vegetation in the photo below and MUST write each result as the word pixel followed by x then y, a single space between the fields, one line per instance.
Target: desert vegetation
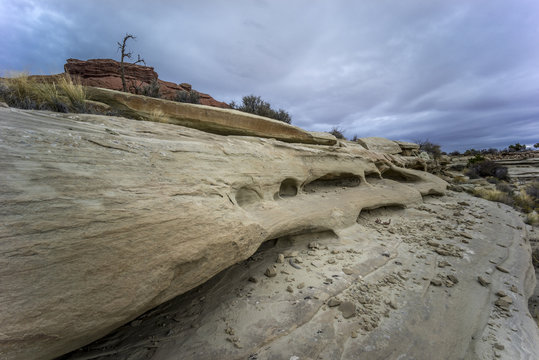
pixel 338 133
pixel 191 97
pixel 62 95
pixel 430 148
pixel 122 47
pixel 255 105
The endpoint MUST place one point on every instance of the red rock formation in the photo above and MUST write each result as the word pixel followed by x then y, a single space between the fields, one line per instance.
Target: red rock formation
pixel 105 73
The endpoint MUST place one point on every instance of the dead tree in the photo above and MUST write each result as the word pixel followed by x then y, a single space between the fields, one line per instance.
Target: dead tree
pixel 128 55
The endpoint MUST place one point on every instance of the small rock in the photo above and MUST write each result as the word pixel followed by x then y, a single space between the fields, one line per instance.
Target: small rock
pixel 348 309
pixel 464 235
pixel 433 243
pixel 334 251
pixel 353 334
pixel 300 285
pixel 499 346
pixel 514 289
pixel 453 279
pixel 252 279
pixel 298 260
pixel 270 272
pixel 314 245
pixel 334 302
pixel 393 305
pixel 500 293
pixel 331 261
pixel 386 254
pixel 504 302
pixel 280 258
pixel 290 254
pixel 443 264
pixel 483 281
pixel 502 269
pixel 347 271
pixel 229 331
pixel 289 289
pixel 436 282
pixel 316 264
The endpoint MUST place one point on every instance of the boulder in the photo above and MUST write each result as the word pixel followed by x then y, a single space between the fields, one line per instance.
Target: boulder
pixel 105 73
pixel 408 148
pixel 103 218
pixel 380 145
pixel 206 118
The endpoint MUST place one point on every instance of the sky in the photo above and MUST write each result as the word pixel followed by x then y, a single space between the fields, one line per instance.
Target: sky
pixel 459 73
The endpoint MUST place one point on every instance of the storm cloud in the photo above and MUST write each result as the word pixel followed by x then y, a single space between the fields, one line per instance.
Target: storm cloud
pixel 460 73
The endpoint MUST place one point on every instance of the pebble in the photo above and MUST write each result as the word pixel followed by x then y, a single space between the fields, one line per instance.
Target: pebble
pixel 347 271
pixel 334 302
pixel 289 289
pixel 443 264
pixel 348 309
pixel 331 261
pixel 499 346
pixel 300 285
pixel 502 269
pixel 483 281
pixel 252 279
pixel 436 282
pixel 280 258
pixel 270 272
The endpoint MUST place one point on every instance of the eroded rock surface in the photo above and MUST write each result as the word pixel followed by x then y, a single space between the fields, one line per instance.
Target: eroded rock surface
pixel 378 289
pixel 104 218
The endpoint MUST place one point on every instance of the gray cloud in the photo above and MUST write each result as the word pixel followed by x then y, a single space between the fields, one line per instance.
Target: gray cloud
pixel 460 73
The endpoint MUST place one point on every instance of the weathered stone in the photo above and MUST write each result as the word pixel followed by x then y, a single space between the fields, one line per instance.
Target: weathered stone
pixel 334 302
pixel 380 145
pixel 101 226
pixel 105 73
pixel 348 309
pixel 483 281
pixel 205 118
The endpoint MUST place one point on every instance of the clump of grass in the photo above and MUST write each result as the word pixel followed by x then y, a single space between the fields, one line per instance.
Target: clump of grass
pixel 494 195
pixel 459 179
pixel 74 91
pixel 156 115
pixel 532 219
pixel 24 92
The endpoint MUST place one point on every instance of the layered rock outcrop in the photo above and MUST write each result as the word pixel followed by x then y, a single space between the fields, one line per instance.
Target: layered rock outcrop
pixel 105 73
pixel 104 218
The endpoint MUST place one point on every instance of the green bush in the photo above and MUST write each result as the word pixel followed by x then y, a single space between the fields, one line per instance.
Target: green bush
pixel 255 105
pixel 191 97
pixel 477 158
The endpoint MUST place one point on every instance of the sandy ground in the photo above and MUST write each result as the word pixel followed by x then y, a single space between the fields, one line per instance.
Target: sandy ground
pixel 445 279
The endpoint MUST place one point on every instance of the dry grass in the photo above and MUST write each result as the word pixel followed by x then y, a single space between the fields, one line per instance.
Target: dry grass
pixel 20 90
pixel 532 219
pixel 459 179
pixel 157 116
pixel 493 195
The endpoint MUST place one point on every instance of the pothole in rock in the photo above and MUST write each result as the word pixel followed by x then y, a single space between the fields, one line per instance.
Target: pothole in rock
pixel 247 196
pixel 288 188
pixel 332 181
pixel 380 215
pixel 400 176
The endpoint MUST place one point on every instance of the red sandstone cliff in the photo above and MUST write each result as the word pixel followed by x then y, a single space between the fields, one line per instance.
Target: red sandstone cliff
pixel 105 73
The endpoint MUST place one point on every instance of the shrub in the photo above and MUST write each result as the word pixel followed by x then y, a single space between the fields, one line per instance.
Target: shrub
pixel 337 133
pixel 255 105
pixel 191 97
pixel 487 168
pixel 454 153
pixel 517 147
pixel 477 158
pixel 153 89
pixel 504 187
pixel 430 148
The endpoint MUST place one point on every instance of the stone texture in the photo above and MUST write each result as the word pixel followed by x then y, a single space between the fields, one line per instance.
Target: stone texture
pixel 380 145
pixel 105 73
pixel 104 218
pixel 205 118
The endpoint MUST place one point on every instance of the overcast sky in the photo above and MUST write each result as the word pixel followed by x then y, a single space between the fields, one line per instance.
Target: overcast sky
pixel 461 73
